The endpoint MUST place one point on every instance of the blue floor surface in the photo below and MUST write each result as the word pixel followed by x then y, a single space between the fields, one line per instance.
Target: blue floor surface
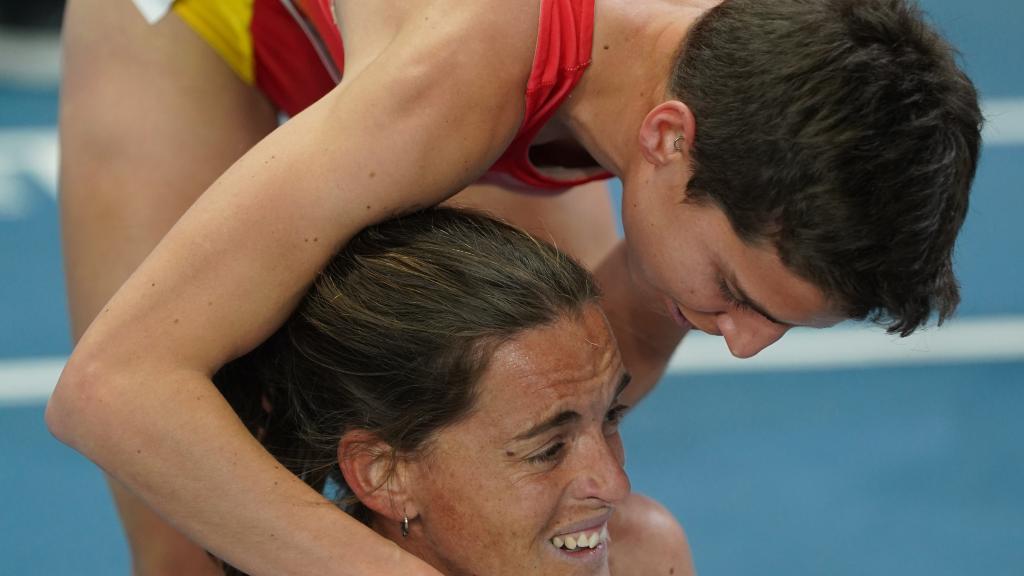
pixel 903 471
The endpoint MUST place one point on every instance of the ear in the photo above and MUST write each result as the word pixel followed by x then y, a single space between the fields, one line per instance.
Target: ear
pixel 375 476
pixel 667 132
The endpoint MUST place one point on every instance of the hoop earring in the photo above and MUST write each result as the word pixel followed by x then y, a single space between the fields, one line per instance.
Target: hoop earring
pixel 675 143
pixel 405 527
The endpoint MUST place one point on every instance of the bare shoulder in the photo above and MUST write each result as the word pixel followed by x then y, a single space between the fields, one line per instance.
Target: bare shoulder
pixel 470 56
pixel 484 17
pixel 646 540
pixel 498 37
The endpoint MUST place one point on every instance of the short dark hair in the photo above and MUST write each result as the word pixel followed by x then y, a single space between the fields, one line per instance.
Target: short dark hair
pixel 394 334
pixel 843 133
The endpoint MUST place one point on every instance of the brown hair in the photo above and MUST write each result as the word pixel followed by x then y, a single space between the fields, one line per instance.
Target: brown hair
pixel 844 133
pixel 394 334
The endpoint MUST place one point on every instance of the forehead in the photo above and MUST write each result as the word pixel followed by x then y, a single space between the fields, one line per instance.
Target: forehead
pixel 570 361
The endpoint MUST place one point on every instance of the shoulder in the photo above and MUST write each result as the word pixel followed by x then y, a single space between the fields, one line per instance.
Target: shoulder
pixel 498 35
pixel 450 62
pixel 647 539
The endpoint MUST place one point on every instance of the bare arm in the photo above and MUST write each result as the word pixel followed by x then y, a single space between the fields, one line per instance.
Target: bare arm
pixel 136 396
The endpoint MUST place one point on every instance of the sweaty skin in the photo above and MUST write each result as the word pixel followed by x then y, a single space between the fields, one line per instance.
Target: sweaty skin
pixel 490 497
pixel 392 137
pixel 535 468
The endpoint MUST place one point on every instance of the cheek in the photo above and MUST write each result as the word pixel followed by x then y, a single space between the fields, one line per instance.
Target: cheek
pixel 688 279
pixel 670 263
pixel 481 519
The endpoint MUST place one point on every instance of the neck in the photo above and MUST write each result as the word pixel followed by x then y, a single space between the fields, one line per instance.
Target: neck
pixel 634 48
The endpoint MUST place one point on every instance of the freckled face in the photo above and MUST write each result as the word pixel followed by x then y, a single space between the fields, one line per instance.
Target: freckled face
pixel 537 462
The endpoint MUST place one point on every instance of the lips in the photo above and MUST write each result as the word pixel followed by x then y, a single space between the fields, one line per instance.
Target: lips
pixel 583 543
pixel 677 316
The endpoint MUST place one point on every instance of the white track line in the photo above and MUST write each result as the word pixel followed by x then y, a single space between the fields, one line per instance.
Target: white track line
pixel 31 381
pixel 860 346
pixel 30 153
pixel 31 59
pixel 1004 121
pixel 28 381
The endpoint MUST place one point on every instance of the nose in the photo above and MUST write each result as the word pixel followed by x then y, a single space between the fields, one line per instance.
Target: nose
pixel 603 476
pixel 745 335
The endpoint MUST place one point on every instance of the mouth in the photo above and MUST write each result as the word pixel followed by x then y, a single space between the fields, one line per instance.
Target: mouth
pixel 677 316
pixel 587 544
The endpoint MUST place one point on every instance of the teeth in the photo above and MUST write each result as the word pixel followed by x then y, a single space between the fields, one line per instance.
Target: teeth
pixel 581 540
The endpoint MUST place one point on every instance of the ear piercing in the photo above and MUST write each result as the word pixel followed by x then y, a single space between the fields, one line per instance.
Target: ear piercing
pixel 675 143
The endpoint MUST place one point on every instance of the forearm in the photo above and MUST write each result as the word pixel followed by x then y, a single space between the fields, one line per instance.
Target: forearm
pixel 647 337
pixel 181 448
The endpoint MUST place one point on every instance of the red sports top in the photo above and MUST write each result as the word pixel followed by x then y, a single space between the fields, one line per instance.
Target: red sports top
pixel 299 57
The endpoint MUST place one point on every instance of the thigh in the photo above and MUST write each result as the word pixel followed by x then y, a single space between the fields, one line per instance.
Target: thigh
pixel 149 117
pixel 580 221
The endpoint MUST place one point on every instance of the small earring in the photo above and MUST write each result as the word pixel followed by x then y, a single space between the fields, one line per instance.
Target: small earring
pixel 405 527
pixel 675 143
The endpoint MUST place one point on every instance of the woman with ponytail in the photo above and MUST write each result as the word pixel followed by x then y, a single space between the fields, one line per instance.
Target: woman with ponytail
pixel 453 384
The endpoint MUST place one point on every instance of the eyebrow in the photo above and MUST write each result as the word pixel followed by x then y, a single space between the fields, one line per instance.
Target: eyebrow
pixel 746 300
pixel 567 417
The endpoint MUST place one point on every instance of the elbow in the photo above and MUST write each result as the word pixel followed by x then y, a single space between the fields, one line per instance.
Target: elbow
pixel 76 409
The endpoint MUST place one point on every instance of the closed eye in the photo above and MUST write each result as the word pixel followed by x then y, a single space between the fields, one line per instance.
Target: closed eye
pixel 731 298
pixel 549 455
pixel 737 298
pixel 613 418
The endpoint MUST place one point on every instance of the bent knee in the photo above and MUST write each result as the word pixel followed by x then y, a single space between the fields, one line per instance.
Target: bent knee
pixel 646 539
